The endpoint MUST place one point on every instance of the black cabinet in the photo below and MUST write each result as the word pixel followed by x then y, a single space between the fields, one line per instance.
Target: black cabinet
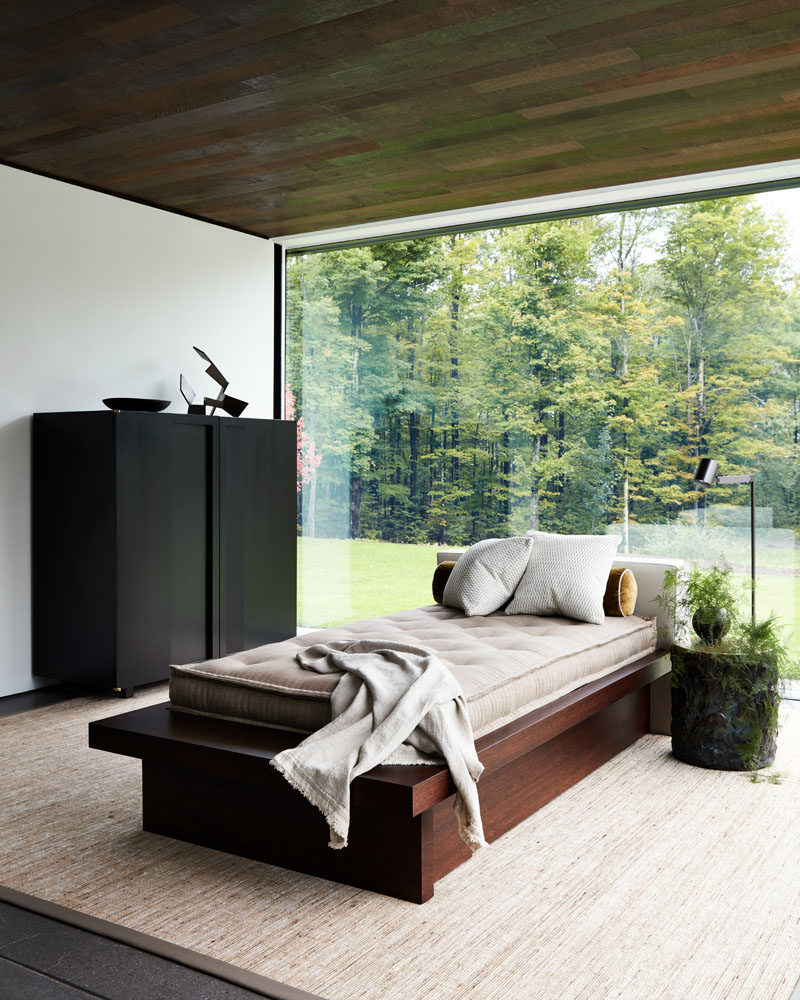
pixel 158 538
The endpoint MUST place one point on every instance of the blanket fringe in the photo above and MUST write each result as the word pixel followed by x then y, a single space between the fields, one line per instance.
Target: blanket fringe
pixel 470 833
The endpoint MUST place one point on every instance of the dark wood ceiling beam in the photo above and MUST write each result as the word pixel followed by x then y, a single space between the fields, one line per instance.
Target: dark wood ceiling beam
pixel 622 116
pixel 279 119
pixel 24 18
pixel 207 167
pixel 112 67
pixel 191 59
pixel 674 85
pixel 151 22
pixel 666 21
pixel 732 34
pixel 614 135
pixel 747 63
pixel 271 179
pixel 59 127
pixel 620 130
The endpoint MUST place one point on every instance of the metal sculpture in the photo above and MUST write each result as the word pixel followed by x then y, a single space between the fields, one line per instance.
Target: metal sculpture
pixel 229 404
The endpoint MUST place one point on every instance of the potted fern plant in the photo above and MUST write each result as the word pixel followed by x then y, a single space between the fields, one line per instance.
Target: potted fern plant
pixel 712 602
pixel 726 687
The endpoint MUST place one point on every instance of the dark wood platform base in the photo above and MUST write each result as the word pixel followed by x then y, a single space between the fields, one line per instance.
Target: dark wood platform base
pixel 209 782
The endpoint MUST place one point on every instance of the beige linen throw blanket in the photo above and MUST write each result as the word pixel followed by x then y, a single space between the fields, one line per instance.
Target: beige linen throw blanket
pixel 394 704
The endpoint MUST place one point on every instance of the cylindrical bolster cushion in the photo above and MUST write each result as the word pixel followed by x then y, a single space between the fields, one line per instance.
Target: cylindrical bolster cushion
pixel 619 599
pixel 440 576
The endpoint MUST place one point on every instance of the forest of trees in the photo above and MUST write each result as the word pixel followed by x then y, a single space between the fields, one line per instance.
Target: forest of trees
pixel 564 374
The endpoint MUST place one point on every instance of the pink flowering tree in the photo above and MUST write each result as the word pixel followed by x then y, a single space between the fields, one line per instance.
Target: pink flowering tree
pixel 307 458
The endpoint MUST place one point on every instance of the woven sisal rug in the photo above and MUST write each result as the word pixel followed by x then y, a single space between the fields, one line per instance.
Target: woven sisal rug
pixel 648 879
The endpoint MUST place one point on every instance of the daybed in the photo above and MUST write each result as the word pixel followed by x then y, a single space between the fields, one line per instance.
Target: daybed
pixel 550 700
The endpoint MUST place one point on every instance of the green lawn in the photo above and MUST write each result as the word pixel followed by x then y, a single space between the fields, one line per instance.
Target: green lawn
pixel 779 593
pixel 341 581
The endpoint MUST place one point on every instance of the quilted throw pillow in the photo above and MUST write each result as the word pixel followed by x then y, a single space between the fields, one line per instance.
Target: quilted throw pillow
pixel 566 575
pixel 486 575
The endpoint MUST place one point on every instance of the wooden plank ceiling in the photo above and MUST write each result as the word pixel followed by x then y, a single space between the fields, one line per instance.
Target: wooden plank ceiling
pixel 285 117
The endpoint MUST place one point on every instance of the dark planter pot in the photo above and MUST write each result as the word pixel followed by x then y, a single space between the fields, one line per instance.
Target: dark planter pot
pixel 711 624
pixel 719 724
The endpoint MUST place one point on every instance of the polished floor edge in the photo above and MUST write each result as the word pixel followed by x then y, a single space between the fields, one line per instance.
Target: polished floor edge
pixel 270 988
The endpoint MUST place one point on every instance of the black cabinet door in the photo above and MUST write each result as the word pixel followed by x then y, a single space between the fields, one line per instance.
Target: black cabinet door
pixel 73 551
pixel 258 547
pixel 165 544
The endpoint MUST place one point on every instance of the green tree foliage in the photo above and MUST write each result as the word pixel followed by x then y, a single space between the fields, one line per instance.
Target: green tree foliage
pixel 722 268
pixel 562 375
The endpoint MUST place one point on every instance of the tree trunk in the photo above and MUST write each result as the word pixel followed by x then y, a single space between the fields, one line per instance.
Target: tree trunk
pixel 537 450
pixel 561 434
pixel 356 489
pixel 310 523
pixel 701 405
pixel 455 308
pixel 700 445
pixel 625 516
pixel 505 477
pixel 413 445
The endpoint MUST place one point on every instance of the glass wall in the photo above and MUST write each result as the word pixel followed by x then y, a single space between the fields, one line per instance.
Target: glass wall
pixel 562 375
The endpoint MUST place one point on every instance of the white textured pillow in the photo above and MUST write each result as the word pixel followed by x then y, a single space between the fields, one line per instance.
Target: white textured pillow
pixel 566 575
pixel 485 576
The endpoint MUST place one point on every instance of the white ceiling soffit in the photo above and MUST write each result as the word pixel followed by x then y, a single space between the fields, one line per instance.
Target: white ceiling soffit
pixel 756 177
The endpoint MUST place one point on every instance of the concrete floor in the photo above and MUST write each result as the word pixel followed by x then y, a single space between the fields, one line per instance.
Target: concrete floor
pixel 45 959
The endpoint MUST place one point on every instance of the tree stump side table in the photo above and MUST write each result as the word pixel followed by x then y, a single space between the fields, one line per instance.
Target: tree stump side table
pixel 724 709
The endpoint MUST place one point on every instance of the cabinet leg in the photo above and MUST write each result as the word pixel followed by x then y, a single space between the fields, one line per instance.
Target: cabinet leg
pixel 124 692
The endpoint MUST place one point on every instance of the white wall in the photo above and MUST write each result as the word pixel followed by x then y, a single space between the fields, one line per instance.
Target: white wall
pixel 103 297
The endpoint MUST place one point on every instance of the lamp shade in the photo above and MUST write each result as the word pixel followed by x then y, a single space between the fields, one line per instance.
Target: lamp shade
pixel 705 474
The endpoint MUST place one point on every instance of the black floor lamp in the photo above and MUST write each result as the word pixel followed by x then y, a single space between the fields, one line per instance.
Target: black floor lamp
pixel 705 476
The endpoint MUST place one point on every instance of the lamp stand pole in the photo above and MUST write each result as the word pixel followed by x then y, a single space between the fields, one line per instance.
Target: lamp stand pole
pixel 753 549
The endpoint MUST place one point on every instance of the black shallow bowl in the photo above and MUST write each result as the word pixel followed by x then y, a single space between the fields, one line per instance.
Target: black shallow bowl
pixel 134 403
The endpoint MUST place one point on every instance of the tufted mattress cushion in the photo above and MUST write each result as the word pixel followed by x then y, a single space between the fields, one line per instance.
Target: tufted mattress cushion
pixel 507 665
